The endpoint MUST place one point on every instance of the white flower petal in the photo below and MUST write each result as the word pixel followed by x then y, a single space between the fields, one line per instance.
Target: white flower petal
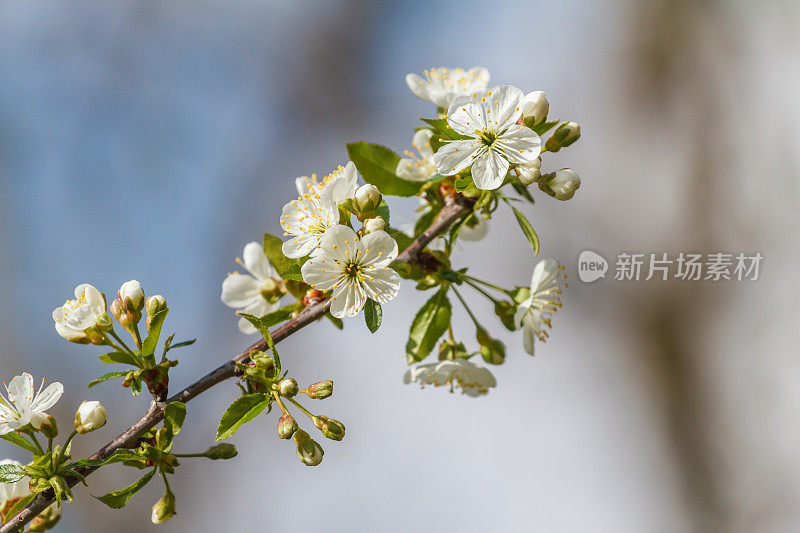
pixel 48 397
pixel 382 284
pixel 520 145
pixel 321 274
pixel 240 290
pixel 379 249
pixel 465 116
pixel 256 262
pixel 422 142
pixel 418 86
pixel 20 391
pixel 489 170
pixel 455 156
pixel 529 334
pixel 504 106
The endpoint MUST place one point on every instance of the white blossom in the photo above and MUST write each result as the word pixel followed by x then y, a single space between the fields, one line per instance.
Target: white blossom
pixel 371 225
pixel 255 293
pixel 90 416
pixel 354 269
pixel 442 85
pixel 22 406
pixel 563 184
pixel 367 198
pixel 472 379
pixel 495 140
pixel 419 168
pixel 75 316
pixel 530 172
pixel 474 229
pixel 306 220
pixel 534 314
pixel 339 185
pixel 536 106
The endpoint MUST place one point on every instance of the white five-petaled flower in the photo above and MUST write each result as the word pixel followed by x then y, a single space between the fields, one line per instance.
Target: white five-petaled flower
pixel 354 269
pixel 547 284
pixel 23 406
pixel 339 185
pixel 256 293
pixel 442 85
pixel 306 220
pixel 472 379
pixel 419 168
pixel 75 316
pixel 495 140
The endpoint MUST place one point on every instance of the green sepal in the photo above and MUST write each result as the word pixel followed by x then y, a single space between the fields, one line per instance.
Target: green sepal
pixel 123 358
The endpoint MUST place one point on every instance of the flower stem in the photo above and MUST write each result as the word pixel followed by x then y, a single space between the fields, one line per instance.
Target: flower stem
pixel 466 307
pixel 307 413
pixel 280 402
pixel 480 290
pixel 137 336
pixel 122 343
pixel 490 285
pixel 32 435
pixel 63 450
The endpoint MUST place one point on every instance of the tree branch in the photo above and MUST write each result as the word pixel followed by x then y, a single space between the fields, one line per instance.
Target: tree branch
pixel 453 210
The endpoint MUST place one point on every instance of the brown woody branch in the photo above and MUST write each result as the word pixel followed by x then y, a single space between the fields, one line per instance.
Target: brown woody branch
pixel 454 209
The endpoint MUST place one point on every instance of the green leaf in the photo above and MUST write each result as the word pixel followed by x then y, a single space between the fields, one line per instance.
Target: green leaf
pixel 373 315
pixel 429 324
pixel 273 249
pixel 10 473
pixel 241 411
pixel 276 317
pixel 123 358
pixel 383 211
pixel 527 229
pixel 151 341
pixel 174 415
pixel 15 438
pixel 118 456
pixel 106 377
pixel 118 498
pixel 441 128
pixel 378 166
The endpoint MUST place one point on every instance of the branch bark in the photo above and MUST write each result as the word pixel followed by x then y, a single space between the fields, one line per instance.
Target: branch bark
pixel 454 209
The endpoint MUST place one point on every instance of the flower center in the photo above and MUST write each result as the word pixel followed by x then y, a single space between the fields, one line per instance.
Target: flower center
pixel 487 137
pixel 353 271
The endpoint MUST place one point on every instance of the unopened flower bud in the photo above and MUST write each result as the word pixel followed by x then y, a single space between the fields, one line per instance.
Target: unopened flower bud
pixel 560 184
pixel 90 416
pixel 288 387
pixel 332 429
pixel 223 450
pixel 536 106
pixel 320 390
pixel 287 425
pixel 367 199
pixel 529 172
pixel 156 304
pixel 308 450
pixel 374 224
pixel 49 427
pixel 132 295
pixel 565 134
pixel 164 508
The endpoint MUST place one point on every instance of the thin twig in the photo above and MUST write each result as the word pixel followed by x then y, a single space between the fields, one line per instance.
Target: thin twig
pixel 453 210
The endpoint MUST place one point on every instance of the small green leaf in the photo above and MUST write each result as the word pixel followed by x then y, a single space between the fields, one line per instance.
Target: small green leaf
pixel 383 211
pixel 10 473
pixel 523 191
pixel 276 317
pixel 118 498
pixel 544 127
pixel 527 229
pixel 106 377
pixel 118 456
pixel 174 415
pixel 151 341
pixel 19 505
pixel 429 324
pixel 373 315
pixel 335 321
pixel 378 166
pixel 15 438
pixel 241 411
pixel 273 249
pixel 123 358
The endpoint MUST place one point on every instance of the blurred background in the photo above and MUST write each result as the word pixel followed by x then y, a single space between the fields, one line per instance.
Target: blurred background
pixel 152 140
